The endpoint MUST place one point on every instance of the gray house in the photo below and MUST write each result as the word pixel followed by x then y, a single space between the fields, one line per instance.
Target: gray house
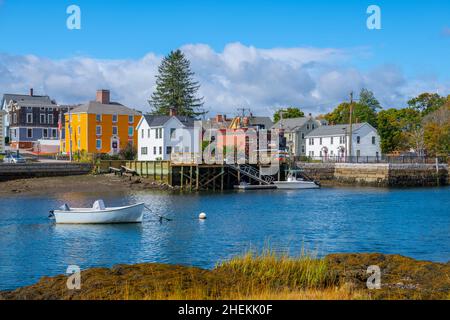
pixel 295 130
pixel 30 118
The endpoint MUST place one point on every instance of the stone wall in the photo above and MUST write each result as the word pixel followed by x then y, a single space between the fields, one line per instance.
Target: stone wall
pixel 31 170
pixel 378 174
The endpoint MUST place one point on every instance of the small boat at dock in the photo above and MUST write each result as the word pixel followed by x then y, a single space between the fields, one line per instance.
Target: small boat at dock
pixel 99 214
pixel 297 179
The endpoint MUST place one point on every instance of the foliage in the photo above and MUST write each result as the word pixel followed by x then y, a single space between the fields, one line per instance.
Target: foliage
pixel 367 98
pixel 426 103
pixel 394 126
pixel 128 153
pixel 361 113
pixel 175 87
pixel 437 131
pixel 82 156
pixel 289 113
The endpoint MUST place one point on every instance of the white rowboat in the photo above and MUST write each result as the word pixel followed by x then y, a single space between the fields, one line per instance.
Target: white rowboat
pixel 99 214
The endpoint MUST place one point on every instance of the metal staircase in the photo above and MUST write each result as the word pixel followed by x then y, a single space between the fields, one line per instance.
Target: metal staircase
pixel 252 173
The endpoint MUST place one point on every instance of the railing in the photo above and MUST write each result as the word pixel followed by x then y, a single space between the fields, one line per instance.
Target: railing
pixel 374 159
pixel 251 172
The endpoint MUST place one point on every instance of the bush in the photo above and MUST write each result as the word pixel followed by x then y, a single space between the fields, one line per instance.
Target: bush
pixel 128 153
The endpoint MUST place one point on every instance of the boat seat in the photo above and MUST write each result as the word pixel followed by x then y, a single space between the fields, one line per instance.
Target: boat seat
pixel 65 207
pixel 99 205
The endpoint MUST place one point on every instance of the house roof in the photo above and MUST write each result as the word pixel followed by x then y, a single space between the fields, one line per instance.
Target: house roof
pixel 291 124
pixel 94 107
pixel 266 121
pixel 158 120
pixel 27 99
pixel 334 130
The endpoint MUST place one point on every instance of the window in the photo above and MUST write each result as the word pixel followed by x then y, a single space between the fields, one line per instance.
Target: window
pixel 303 149
pixel 172 133
pixel 130 119
pixel 142 133
pixel 79 130
pixel 154 150
pixel 45 133
pixel 320 153
pixel 98 144
pixel 313 126
pixel 311 141
pixel 130 131
pixel 160 133
pixel 98 117
pixel 373 140
pixel 114 118
pixel 79 144
pixel 148 133
pixel 114 130
pixel 303 135
pixel 168 150
pixel 15 118
pixel 42 108
pixel 50 119
pixel 144 151
pixel 160 150
pixel 98 130
pixel 332 152
pixel 42 118
pixel 54 134
pixel 307 127
pixel 331 140
pixel 358 153
pixel 79 117
pixel 29 118
pixel 358 139
pixel 29 133
pixel 320 141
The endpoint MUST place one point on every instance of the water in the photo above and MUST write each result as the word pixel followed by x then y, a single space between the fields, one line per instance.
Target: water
pixel 411 222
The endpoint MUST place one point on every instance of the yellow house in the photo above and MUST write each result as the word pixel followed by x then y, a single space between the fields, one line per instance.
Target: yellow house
pixel 100 126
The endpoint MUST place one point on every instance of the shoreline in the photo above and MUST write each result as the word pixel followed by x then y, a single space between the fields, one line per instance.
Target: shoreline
pixel 111 183
pixel 336 276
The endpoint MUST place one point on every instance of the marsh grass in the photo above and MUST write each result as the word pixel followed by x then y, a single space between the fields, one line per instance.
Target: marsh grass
pixel 272 270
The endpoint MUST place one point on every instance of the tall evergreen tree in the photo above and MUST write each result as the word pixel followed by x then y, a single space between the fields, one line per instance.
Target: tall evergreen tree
pixel 176 87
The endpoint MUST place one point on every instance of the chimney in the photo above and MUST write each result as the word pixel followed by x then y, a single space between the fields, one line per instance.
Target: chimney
pixel 246 121
pixel 219 118
pixel 172 112
pixel 31 92
pixel 102 96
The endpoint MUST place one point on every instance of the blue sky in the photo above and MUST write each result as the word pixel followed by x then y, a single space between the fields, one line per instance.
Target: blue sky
pixel 414 40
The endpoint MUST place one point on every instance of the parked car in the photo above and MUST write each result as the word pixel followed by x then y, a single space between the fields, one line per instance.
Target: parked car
pixel 13 158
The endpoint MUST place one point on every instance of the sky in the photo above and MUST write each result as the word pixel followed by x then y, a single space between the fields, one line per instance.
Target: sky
pixel 260 55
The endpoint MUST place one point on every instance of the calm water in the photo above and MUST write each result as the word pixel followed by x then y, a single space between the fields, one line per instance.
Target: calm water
pixel 412 222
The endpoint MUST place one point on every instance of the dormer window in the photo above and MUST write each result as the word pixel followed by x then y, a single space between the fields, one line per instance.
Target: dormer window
pixel 130 119
pixel 114 118
pixel 98 117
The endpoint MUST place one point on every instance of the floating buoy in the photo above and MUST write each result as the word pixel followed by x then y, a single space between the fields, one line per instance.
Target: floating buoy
pixel 202 216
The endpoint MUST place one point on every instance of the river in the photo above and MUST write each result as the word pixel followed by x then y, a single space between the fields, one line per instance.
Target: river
pixel 410 222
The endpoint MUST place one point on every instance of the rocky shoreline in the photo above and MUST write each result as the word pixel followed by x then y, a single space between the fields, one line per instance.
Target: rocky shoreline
pixel 401 278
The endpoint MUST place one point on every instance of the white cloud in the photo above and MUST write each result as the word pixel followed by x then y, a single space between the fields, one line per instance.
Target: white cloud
pixel 239 76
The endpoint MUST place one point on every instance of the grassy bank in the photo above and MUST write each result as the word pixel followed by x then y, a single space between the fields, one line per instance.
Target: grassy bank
pixel 251 276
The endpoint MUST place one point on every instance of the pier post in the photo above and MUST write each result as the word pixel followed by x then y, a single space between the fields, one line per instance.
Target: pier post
pixel 197 182
pixel 182 177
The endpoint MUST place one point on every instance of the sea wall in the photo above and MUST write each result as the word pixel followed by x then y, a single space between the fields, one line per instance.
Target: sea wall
pixel 32 170
pixel 378 174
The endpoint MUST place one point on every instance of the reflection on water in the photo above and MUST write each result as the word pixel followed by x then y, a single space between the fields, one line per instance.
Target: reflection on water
pixel 413 222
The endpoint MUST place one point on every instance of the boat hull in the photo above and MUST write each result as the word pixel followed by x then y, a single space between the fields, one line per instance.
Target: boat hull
pixel 296 185
pixel 130 214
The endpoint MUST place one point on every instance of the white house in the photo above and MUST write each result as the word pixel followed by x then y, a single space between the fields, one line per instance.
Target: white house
pixel 2 126
pixel 333 142
pixel 161 137
pixel 295 130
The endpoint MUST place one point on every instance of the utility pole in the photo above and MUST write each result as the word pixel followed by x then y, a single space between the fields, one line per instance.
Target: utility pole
pixel 351 127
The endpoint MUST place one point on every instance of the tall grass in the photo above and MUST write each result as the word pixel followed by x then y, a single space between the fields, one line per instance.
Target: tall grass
pixel 270 270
